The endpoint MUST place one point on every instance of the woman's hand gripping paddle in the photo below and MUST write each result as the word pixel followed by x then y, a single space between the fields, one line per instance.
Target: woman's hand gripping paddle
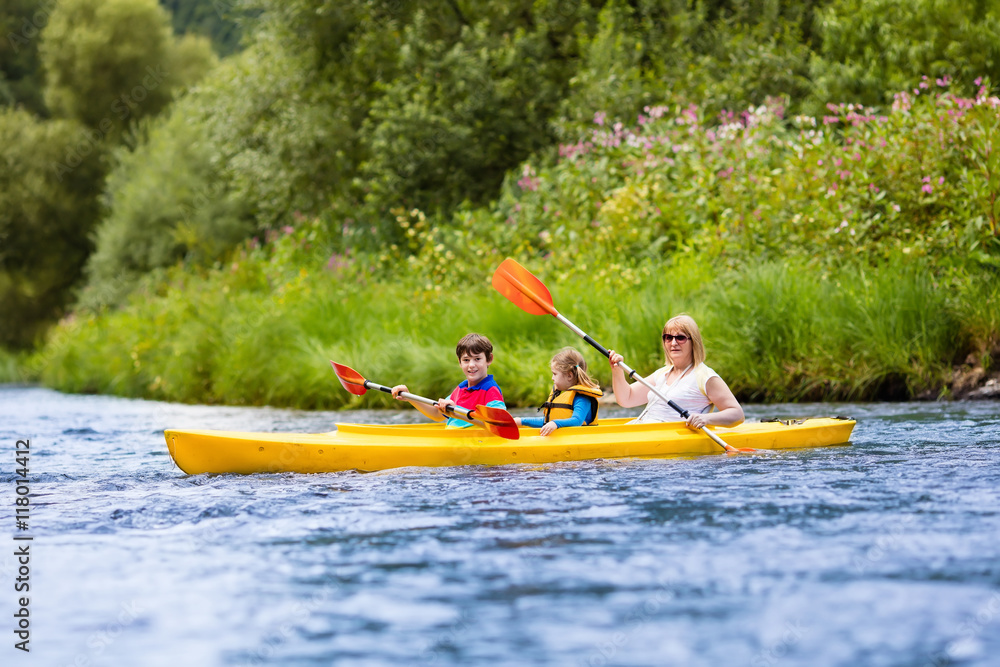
pixel 530 295
pixel 495 420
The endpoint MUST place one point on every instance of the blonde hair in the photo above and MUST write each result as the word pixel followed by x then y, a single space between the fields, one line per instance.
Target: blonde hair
pixel 686 325
pixel 569 360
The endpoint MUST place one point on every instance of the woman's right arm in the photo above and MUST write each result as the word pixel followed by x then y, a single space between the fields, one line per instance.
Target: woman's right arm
pixel 627 395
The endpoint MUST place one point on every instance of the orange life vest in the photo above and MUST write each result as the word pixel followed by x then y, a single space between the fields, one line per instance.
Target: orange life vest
pixel 560 403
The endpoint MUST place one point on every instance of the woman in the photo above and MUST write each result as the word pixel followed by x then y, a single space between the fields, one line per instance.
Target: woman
pixel 685 380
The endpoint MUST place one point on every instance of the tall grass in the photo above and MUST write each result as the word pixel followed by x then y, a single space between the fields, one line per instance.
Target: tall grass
pixel 787 334
pixel 775 331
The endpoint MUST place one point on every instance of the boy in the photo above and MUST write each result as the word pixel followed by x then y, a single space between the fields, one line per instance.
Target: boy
pixel 475 354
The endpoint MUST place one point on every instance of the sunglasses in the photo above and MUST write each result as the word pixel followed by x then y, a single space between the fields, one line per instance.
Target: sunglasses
pixel 680 338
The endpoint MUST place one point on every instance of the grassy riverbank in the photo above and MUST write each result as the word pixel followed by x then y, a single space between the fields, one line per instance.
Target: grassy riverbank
pixel 850 257
pixel 776 332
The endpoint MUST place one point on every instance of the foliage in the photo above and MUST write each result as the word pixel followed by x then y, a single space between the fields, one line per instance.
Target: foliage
pixel 724 55
pixel 287 124
pixel 261 329
pixel 46 217
pixel 214 170
pixel 20 72
pixel 468 105
pixel 642 157
pixel 216 19
pixel 108 62
pixel 873 48
pixel 163 184
pixel 364 112
pixel 921 180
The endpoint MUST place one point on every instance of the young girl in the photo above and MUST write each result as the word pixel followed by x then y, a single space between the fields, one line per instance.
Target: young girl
pixel 573 401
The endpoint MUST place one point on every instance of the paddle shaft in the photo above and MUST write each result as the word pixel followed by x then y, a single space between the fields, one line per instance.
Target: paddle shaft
pixel 460 412
pixel 539 302
pixel 632 374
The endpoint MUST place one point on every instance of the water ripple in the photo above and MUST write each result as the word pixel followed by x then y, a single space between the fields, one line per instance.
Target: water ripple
pixel 881 553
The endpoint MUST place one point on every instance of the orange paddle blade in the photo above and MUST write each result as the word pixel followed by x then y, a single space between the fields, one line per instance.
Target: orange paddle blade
pixel 498 421
pixel 350 378
pixel 523 289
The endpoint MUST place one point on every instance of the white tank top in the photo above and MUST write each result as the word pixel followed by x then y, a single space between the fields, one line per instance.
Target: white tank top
pixel 688 392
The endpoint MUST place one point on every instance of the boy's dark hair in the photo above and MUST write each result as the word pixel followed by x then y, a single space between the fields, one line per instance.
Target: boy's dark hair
pixel 473 344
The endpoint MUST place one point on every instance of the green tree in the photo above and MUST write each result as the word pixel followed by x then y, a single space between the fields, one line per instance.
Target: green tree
pixel 45 221
pixel 720 55
pixel 165 203
pixel 872 49
pixel 467 105
pixel 21 21
pixel 238 155
pixel 215 19
pixel 110 62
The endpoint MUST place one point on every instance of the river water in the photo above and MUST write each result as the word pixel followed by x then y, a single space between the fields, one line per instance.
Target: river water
pixel 885 552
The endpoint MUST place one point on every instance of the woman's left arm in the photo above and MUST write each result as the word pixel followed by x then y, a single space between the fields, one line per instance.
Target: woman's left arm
pixel 730 413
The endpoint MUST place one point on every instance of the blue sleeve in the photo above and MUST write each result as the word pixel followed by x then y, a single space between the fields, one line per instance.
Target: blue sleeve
pixel 581 412
pixel 496 404
pixel 533 422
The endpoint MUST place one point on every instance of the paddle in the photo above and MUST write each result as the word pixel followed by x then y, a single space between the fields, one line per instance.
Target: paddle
pixel 495 420
pixel 530 295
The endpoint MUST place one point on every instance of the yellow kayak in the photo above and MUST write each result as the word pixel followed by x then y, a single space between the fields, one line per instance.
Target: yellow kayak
pixel 369 447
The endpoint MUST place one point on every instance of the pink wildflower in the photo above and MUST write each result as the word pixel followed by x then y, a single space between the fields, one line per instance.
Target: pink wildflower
pixel 599 117
pixel 528 180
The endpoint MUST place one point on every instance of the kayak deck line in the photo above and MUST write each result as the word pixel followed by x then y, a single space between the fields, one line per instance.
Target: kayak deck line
pixel 370 447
